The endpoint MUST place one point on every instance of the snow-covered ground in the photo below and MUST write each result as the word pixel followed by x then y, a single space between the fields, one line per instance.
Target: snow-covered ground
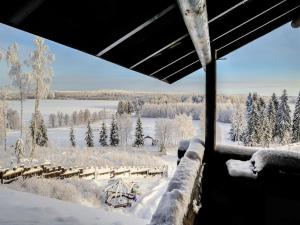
pixel 20 208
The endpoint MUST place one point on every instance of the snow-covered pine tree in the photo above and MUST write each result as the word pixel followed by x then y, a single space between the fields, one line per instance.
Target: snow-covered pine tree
pixel 296 121
pixel 238 123
pixel 114 132
pixel 276 104
pixel 89 136
pixel 261 106
pixel 266 135
pixel 120 108
pixel 284 120
pixel 40 137
pixel 103 135
pixel 139 134
pixel 271 114
pixel 19 149
pixel 72 137
pixel 253 125
pixel 247 131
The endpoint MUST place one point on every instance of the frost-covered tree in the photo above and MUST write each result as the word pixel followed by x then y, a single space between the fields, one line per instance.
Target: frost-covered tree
pixel 3 130
pixel 238 123
pixel 125 128
pixel 251 134
pixel 266 129
pixel 39 130
pixel 86 115
pixel 19 149
pixel 284 120
pixel 60 119
pixel 120 108
pixel 72 137
pixel 40 61
pixel 164 130
pixel 271 114
pixel 19 78
pixel 139 134
pixel 114 132
pixel 184 127
pixel 103 135
pixel 296 121
pixel 89 137
pixel 52 120
pixel 275 101
pixel 74 118
pixel 66 119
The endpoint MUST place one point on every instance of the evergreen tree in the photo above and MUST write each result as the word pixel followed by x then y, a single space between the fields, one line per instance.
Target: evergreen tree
pixel 296 122
pixel 266 135
pixel 284 120
pixel 261 106
pixel 252 132
pixel 41 137
pixel 237 125
pixel 277 122
pixel 114 133
pixel 103 135
pixel 89 136
pixel 139 134
pixel 72 137
pixel 247 131
pixel 271 114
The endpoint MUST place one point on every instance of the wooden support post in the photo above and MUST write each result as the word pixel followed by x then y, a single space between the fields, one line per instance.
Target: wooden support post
pixel 210 114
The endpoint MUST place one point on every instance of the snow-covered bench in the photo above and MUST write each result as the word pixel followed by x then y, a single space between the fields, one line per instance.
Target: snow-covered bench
pixel 180 200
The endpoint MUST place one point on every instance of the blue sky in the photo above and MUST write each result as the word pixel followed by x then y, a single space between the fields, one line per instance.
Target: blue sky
pixel 266 65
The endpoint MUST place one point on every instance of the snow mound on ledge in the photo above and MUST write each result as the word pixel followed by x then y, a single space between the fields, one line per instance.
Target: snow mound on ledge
pixel 271 158
pixel 173 204
pixel 19 208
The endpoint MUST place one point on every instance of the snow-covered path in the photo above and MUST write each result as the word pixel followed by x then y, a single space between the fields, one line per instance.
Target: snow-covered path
pixel 20 208
pixel 148 203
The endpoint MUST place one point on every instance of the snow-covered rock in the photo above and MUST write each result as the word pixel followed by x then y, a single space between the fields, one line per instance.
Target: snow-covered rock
pixel 175 201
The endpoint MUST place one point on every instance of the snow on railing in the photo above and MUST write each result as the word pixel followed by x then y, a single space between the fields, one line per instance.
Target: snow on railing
pixel 264 158
pixel 180 202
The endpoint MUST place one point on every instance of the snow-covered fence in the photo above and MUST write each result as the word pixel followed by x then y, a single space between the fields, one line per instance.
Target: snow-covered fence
pixel 181 201
pixel 46 171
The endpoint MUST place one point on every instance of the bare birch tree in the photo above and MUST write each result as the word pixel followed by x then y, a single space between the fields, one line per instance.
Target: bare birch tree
pixel 40 61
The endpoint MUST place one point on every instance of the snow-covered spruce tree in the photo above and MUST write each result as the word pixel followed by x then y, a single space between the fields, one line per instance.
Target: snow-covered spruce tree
pixel 296 121
pixel 139 134
pixel 120 108
pixel 238 124
pixel 89 138
pixel 72 137
pixel 266 129
pixel 39 130
pixel 261 106
pixel 114 132
pixel 40 61
pixel 271 114
pixel 252 130
pixel 246 132
pixel 20 79
pixel 276 105
pixel 19 149
pixel 284 120
pixel 103 135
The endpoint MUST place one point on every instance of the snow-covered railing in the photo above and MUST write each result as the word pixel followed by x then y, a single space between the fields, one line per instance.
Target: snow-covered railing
pixel 180 203
pixel 265 158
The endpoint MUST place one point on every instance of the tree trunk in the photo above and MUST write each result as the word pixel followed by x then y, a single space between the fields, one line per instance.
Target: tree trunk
pixel 21 119
pixel 36 110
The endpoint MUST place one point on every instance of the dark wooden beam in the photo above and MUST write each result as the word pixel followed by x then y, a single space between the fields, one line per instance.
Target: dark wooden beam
pixel 210 114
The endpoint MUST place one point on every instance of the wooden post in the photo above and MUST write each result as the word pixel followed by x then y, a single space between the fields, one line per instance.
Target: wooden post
pixel 210 114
